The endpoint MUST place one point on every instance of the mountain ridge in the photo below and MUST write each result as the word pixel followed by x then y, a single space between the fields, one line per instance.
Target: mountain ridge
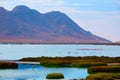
pixel 26 25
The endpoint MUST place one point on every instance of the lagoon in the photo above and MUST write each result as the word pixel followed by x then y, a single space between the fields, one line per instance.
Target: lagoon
pixel 18 51
pixel 37 72
pixel 27 72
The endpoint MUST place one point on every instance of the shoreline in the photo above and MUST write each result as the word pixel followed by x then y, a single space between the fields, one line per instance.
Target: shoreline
pixel 7 43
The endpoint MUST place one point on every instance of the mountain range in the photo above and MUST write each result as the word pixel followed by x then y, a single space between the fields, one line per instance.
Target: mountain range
pixel 25 25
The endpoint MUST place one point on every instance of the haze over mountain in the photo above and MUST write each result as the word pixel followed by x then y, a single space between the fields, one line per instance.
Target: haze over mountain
pixel 25 25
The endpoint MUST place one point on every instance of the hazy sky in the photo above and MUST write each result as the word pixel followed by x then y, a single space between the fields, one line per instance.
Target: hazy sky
pixel 101 17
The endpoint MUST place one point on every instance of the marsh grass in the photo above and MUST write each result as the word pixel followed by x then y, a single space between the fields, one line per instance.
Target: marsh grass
pixel 106 69
pixel 87 64
pixel 103 76
pixel 55 76
pixel 8 65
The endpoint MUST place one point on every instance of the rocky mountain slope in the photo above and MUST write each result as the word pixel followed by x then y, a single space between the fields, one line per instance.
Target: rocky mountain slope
pixel 25 25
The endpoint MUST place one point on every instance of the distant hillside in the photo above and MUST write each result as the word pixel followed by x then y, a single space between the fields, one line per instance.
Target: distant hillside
pixel 25 25
pixel 117 41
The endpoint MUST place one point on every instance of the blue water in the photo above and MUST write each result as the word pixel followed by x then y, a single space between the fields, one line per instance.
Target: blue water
pixel 27 72
pixel 19 51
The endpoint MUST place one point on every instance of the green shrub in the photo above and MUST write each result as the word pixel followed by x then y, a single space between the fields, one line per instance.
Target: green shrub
pixel 69 61
pixel 8 65
pixel 103 76
pixel 87 64
pixel 55 76
pixel 107 69
pixel 70 58
pixel 54 63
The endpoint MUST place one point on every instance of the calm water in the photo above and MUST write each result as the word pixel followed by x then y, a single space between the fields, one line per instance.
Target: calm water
pixel 19 51
pixel 27 72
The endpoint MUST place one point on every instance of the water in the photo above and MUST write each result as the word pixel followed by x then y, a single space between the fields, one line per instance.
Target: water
pixel 19 51
pixel 27 72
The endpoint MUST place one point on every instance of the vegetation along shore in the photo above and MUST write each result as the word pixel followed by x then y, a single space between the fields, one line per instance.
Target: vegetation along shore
pixel 8 65
pixel 99 68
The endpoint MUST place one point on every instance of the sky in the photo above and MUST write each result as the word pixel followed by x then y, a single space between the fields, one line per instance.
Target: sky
pixel 101 17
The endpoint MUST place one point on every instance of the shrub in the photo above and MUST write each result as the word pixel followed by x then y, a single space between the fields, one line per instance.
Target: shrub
pixel 87 64
pixel 103 76
pixel 70 58
pixel 54 63
pixel 8 65
pixel 55 76
pixel 69 61
pixel 107 69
